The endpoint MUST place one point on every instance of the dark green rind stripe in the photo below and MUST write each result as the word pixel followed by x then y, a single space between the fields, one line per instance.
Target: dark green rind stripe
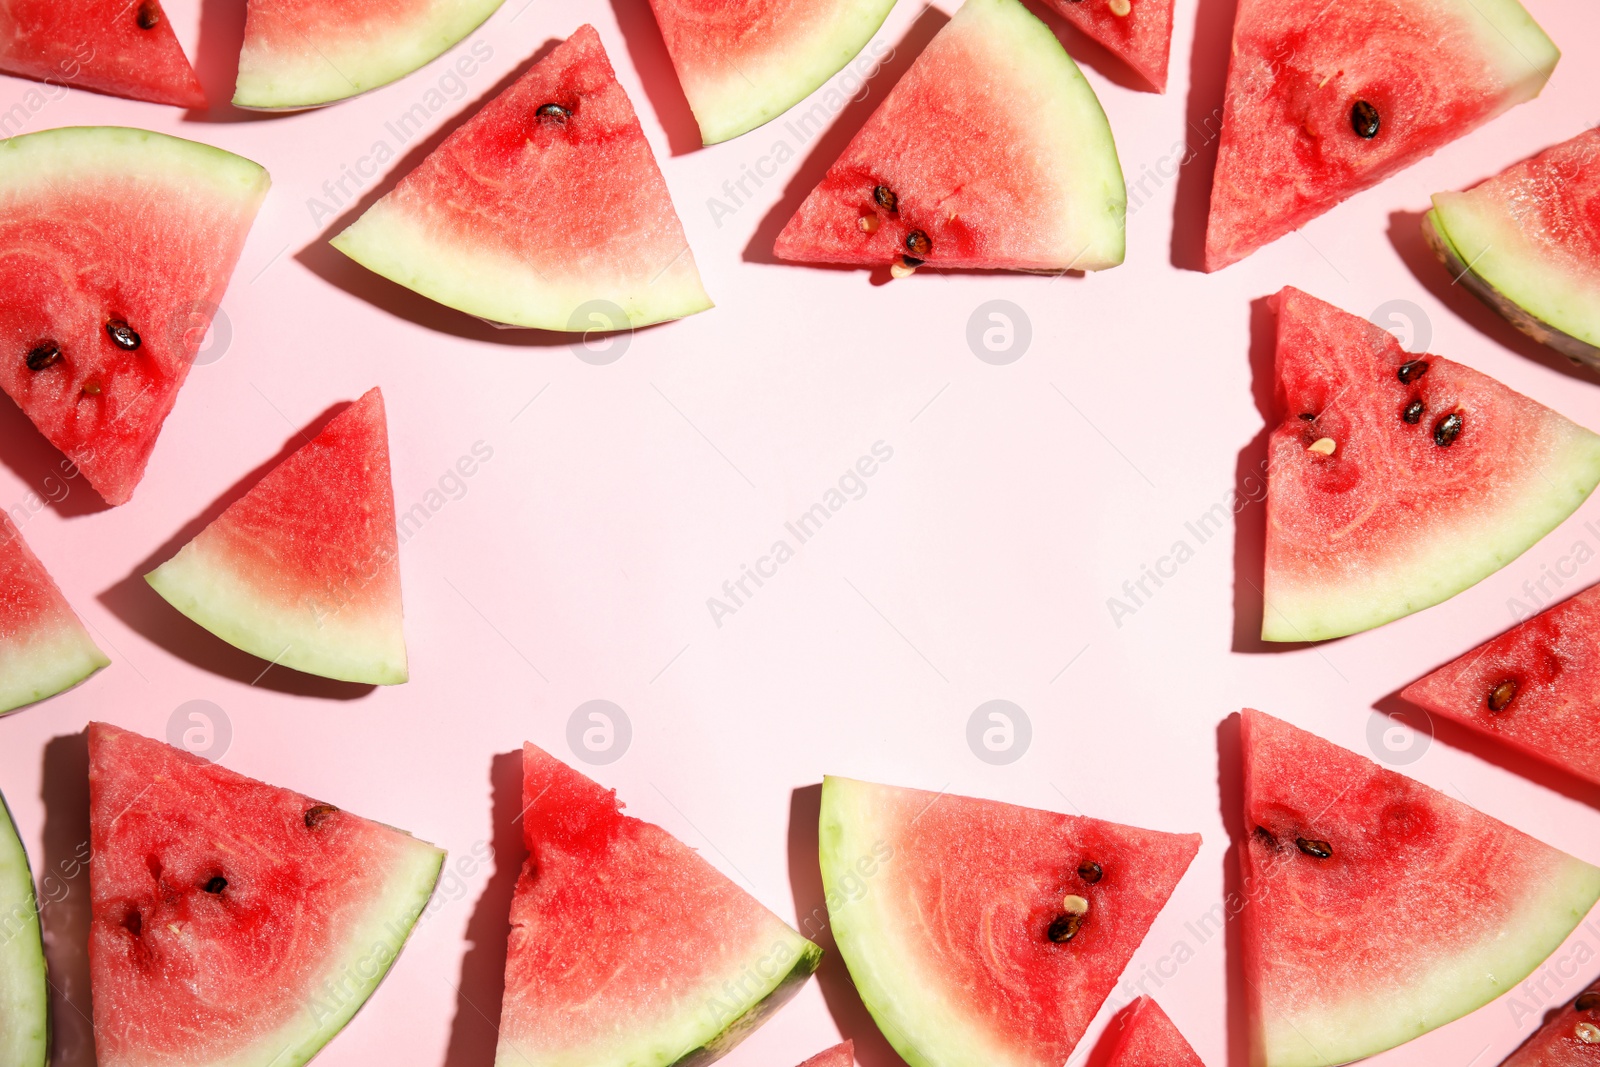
pixel 759 1013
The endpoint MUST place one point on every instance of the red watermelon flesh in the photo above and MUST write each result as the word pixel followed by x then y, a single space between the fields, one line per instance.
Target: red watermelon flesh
pixel 545 210
pixel 1327 99
pixel 106 234
pixel 952 914
pixel 304 569
pixel 1536 687
pixel 1137 31
pixel 627 948
pixel 1434 476
pixel 843 1055
pixel 1379 908
pixel 43 646
pixel 122 47
pixel 1569 1038
pixel 233 921
pixel 1148 1039
pixel 991 152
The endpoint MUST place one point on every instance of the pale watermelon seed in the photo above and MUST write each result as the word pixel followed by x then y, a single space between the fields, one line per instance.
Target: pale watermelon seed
pixel 554 113
pixel 1090 871
pixel 149 16
pixel 122 335
pixel 1413 412
pixel 1064 928
pixel 1364 120
pixel 1319 850
pixel 868 223
pixel 45 354
pixel 1121 8
pixel 316 815
pixel 217 884
pixel 1323 446
pixel 1413 369
pixel 1588 1033
pixel 91 388
pixel 917 244
pixel 1448 429
pixel 1501 695
pixel 1073 904
pixel 905 267
pixel 884 197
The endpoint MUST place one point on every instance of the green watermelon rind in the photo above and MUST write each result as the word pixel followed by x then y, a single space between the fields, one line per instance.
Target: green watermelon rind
pixel 68 154
pixel 1511 33
pixel 320 78
pixel 1365 1027
pixel 46 666
pixel 757 1013
pixel 24 988
pixel 1487 252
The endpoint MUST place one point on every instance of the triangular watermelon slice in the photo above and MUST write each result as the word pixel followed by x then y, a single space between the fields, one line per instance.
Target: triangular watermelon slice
pixel 991 152
pixel 1139 32
pixel 306 53
pixel 44 648
pixel 233 922
pixel 1147 1038
pixel 24 989
pixel 627 949
pixel 746 63
pixel 304 569
pixel 123 47
pixel 1536 687
pixel 1568 1037
pixel 842 1055
pixel 546 209
pixel 1398 480
pixel 115 248
pixel 982 934
pixel 1327 99
pixel 1378 908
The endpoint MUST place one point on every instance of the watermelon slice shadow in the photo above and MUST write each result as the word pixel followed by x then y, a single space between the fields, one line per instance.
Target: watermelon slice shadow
pixel 648 52
pixel 142 609
pixel 62 878
pixel 1230 795
pixel 481 986
pixel 1106 1043
pixel 216 63
pixel 43 467
pixel 1208 78
pixel 811 910
pixel 1406 236
pixel 830 143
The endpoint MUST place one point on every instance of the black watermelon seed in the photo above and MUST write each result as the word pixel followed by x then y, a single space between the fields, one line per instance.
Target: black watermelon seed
pixel 217 884
pixel 917 244
pixel 122 335
pixel 1448 429
pixel 1500 696
pixel 317 815
pixel 1266 837
pixel 911 261
pixel 149 16
pixel 1090 871
pixel 133 922
pixel 1587 1001
pixel 554 113
pixel 1413 369
pixel 1413 412
pixel 884 197
pixel 44 354
pixel 91 388
pixel 1308 416
pixel 1064 928
pixel 1364 120
pixel 1320 850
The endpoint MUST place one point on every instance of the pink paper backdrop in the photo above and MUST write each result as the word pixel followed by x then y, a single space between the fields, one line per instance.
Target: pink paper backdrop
pixel 975 564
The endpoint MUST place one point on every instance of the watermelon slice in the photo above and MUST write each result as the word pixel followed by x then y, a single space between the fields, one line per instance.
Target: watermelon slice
pixel 544 207
pixel 24 991
pixel 233 922
pixel 1536 687
pixel 304 569
pixel 1325 100
pixel 1139 32
pixel 838 1056
pixel 122 47
pixel 306 53
pixel 1397 481
pixel 992 151
pixel 747 62
pixel 44 648
pixel 1148 1039
pixel 115 247
pixel 1567 1039
pixel 982 934
pixel 627 949
pixel 1378 908
pixel 1528 243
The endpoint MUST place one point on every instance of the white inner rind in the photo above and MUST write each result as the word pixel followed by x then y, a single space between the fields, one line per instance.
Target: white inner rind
pixel 1510 35
pixel 1363 1025
pixel 314 73
pixel 1449 557
pixel 912 1005
pixel 61 159
pixel 328 639
pixel 45 664
pixel 24 996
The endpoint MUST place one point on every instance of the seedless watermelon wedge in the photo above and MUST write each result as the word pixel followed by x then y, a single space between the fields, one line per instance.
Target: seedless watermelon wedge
pixel 1396 481
pixel 1147 1038
pixel 115 248
pixel 233 922
pixel 982 934
pixel 991 152
pixel 843 1055
pixel 122 47
pixel 627 949
pixel 24 991
pixel 44 648
pixel 304 569
pixel 1139 32
pixel 747 62
pixel 306 53
pixel 1536 687
pixel 1567 1039
pixel 1377 908
pixel 1527 242
pixel 1325 100
pixel 545 210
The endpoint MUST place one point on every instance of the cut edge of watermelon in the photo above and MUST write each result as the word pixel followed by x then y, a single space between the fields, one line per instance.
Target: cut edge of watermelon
pixel 324 74
pixel 1490 255
pixel 205 586
pixel 24 991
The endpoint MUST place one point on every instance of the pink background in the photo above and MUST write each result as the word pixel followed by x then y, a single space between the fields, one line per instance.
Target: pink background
pixel 577 562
